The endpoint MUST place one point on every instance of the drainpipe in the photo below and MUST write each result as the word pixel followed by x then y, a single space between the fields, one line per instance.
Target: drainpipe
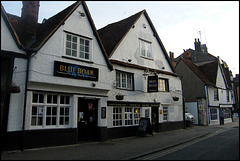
pixel 207 103
pixel 25 99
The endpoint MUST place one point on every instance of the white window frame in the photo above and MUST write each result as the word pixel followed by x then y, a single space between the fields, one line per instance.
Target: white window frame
pixel 145 49
pixel 48 119
pixel 163 85
pixel 216 94
pixel 124 80
pixel 165 113
pixel 213 114
pixel 77 49
pixel 126 116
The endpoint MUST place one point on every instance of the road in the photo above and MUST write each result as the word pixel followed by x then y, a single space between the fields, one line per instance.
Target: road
pixel 222 145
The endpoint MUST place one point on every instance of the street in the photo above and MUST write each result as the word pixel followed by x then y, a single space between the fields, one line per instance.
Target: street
pixel 222 146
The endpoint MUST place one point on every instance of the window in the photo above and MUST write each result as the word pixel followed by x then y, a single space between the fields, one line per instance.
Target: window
pixel 131 116
pixel 227 96
pixel 124 80
pixel 78 47
pixel 165 113
pixel 50 110
pixel 213 114
pixel 163 85
pixel 227 113
pixel 215 94
pixel 145 49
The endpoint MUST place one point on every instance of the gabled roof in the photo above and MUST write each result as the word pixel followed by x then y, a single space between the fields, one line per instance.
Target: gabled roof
pixel 113 34
pixel 10 27
pixel 207 72
pixel 50 26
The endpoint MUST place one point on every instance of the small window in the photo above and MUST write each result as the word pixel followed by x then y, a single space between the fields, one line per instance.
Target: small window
pixel 124 80
pixel 145 49
pixel 215 94
pixel 78 47
pixel 165 113
pixel 213 114
pixel 227 92
pixel 163 85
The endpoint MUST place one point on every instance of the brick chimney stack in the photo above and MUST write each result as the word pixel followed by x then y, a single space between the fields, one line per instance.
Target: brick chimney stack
pixel 198 47
pixel 29 21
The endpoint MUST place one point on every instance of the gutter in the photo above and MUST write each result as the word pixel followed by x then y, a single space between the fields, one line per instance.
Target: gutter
pixel 29 53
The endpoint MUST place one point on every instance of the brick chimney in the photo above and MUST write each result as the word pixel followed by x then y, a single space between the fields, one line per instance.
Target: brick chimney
pixel 29 21
pixel 197 44
pixel 173 60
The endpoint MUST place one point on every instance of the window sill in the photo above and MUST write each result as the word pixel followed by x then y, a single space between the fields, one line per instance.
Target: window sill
pixel 144 57
pixel 75 58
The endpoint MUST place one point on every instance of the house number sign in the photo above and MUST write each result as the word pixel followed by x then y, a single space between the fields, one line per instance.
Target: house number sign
pixel 75 71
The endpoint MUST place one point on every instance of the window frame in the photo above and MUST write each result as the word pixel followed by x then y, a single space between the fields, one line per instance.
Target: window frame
pixel 78 47
pixel 126 116
pixel 48 119
pixel 213 114
pixel 166 85
pixel 120 81
pixel 165 113
pixel 145 46
pixel 216 94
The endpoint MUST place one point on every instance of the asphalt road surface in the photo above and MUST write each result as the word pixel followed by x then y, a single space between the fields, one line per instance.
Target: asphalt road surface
pixel 222 146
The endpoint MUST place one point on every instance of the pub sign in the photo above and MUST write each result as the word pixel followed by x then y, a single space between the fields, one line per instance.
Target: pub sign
pixel 152 83
pixel 63 69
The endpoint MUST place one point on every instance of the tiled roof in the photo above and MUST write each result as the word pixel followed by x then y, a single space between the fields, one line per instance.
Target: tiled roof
pixel 112 34
pixel 207 72
pixel 49 27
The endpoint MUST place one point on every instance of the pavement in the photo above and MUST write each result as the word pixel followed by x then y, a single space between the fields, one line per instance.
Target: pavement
pixel 127 148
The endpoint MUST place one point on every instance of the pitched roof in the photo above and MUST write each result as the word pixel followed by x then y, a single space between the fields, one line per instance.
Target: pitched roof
pixel 50 26
pixel 112 34
pixel 207 72
pixel 10 27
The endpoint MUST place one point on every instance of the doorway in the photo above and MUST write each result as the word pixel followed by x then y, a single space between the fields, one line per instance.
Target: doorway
pixel 155 119
pixel 87 119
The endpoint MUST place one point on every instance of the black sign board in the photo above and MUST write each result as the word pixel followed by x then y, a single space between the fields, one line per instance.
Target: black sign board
pixel 144 127
pixel 152 83
pixel 133 104
pixel 75 71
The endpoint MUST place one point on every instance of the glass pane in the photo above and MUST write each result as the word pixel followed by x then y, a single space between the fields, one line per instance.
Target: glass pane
pixel 68 52
pixel 35 98
pixel 69 37
pixel 61 111
pixel 54 120
pixel 81 55
pixel 74 39
pixel 68 44
pixel 67 100
pixel 34 110
pixel 61 120
pixel 74 46
pixel 39 122
pixel 74 53
pixel 49 110
pixel 34 121
pixel 40 98
pixel 49 98
pixel 61 99
pixel 66 120
pixel 55 99
pixel 48 121
pixel 86 49
pixel 87 42
pixel 82 41
pixel 86 56
pixel 66 111
pixel 81 48
pixel 54 110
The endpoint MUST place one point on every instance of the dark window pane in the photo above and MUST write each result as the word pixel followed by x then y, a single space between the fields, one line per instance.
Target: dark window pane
pixel 34 110
pixel 48 121
pixel 54 120
pixel 49 110
pixel 40 98
pixel 55 99
pixel 61 111
pixel 54 110
pixel 62 100
pixel 49 98
pixel 35 98
pixel 67 99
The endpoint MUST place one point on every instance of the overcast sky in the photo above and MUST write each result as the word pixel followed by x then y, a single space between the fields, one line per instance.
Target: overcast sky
pixel 178 23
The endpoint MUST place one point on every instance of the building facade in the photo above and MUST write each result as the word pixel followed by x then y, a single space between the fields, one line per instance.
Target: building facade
pixel 73 89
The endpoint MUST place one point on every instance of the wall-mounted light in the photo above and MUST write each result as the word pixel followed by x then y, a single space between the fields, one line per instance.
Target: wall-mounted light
pixel 81 13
